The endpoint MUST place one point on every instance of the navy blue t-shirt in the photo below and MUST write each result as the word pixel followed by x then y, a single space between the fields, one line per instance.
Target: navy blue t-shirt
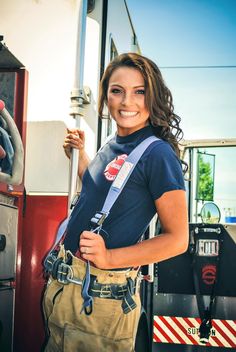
pixel 158 171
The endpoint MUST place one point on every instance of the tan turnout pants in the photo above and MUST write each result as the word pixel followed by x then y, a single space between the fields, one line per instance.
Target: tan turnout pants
pixel 107 329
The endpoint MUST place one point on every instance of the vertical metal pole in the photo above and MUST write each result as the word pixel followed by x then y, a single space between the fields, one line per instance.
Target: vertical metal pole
pixel 77 93
pixel 190 185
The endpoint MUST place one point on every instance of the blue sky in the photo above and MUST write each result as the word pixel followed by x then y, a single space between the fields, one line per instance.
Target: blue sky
pixel 176 33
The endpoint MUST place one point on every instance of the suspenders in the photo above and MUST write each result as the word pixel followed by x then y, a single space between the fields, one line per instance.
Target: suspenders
pixel 98 219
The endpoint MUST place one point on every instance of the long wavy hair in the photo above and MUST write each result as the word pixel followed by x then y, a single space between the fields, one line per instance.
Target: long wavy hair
pixel 158 97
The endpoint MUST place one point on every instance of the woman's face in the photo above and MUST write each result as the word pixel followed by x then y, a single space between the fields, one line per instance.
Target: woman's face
pixel 126 100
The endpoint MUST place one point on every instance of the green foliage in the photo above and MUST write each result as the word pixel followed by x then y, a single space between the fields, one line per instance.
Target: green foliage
pixel 205 179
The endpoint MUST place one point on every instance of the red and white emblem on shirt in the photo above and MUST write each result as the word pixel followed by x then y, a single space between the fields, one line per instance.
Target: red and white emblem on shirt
pixel 114 166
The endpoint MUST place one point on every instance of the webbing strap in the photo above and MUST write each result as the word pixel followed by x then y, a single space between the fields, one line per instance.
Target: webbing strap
pixel 87 306
pixel 125 172
pixel 206 313
pixel 114 191
pixel 115 188
pixel 60 232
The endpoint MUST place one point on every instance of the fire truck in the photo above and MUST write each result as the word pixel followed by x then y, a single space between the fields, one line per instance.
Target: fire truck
pixel 50 69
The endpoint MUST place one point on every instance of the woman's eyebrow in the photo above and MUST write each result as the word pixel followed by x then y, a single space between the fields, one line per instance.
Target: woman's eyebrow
pixel 118 85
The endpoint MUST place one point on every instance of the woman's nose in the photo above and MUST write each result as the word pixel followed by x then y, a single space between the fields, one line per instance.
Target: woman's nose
pixel 127 99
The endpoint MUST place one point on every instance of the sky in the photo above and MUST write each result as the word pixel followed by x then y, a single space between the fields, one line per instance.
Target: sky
pixel 193 43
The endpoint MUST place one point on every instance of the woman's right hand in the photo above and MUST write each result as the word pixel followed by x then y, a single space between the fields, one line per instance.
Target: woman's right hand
pixel 75 138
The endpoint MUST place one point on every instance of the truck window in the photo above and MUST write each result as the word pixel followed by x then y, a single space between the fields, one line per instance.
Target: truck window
pixel 211 178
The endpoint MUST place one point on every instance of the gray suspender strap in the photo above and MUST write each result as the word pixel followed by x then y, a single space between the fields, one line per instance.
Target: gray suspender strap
pixel 116 187
pixel 97 221
pixel 121 179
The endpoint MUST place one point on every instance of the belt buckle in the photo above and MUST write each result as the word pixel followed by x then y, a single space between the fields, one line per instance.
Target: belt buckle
pixel 64 272
pixel 104 293
pixel 49 262
pixel 116 292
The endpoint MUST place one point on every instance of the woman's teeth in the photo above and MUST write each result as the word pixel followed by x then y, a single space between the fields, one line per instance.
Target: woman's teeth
pixel 128 113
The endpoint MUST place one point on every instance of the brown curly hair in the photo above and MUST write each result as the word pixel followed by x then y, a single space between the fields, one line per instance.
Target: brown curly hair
pixel 158 97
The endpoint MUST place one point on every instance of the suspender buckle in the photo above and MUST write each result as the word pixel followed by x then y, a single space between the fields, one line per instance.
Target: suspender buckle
pixel 50 261
pixel 64 273
pixel 98 219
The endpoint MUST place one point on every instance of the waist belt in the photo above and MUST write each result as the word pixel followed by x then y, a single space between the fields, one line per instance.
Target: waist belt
pixel 113 291
pixel 63 273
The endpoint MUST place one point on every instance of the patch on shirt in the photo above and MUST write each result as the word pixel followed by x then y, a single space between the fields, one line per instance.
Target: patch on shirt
pixel 114 166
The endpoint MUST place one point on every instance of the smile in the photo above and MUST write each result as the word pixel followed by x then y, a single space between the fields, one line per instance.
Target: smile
pixel 128 113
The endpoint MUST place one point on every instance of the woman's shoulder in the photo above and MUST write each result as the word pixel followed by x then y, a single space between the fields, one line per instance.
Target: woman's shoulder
pixel 160 148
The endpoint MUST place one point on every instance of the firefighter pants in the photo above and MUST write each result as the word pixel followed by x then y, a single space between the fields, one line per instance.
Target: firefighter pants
pixel 107 329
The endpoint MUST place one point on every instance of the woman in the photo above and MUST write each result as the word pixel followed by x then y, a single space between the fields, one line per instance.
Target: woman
pixel 138 100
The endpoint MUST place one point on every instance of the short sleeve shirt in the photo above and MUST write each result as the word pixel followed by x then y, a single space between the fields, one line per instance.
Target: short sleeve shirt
pixel 158 171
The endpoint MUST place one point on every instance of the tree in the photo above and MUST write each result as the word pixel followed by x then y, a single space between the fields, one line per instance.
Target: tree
pixel 205 184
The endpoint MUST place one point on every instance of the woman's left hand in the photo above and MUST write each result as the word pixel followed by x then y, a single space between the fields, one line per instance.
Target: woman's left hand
pixel 92 247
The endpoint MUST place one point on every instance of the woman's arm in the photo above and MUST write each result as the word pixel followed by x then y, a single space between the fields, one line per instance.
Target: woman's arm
pixel 75 139
pixel 172 211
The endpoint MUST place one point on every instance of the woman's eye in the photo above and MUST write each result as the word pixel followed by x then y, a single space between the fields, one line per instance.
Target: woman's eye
pixel 116 91
pixel 140 91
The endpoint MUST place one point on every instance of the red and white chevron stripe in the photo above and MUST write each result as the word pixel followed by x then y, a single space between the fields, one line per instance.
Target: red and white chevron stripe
pixel 179 330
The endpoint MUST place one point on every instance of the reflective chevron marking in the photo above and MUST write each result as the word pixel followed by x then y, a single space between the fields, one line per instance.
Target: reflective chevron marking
pixel 179 330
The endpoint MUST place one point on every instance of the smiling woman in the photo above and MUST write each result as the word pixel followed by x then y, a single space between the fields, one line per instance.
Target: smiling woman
pixel 141 78
pixel 126 100
pixel 141 105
